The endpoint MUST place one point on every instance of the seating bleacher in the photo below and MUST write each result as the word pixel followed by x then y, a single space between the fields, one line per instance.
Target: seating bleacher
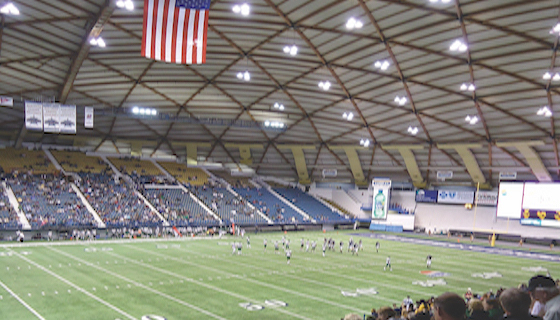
pixel 178 207
pixel 116 204
pixel 8 216
pixel 76 161
pixel 339 207
pixel 224 203
pixel 271 206
pixel 309 205
pixel 49 201
pixel 184 174
pixel 24 160
pixel 131 165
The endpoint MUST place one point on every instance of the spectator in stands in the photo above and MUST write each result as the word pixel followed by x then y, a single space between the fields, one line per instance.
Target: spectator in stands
pixel 493 307
pixel 449 306
pixel 386 313
pixel 476 310
pixel 352 316
pixel 516 303
pixel 544 290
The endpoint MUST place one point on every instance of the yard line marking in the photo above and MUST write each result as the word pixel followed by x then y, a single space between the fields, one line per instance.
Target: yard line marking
pixel 21 301
pixel 116 275
pixel 74 286
pixel 247 280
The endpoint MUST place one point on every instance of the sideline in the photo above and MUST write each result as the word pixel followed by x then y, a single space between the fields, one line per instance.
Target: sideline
pixel 58 243
pixel 464 247
pixel 107 304
pixel 21 301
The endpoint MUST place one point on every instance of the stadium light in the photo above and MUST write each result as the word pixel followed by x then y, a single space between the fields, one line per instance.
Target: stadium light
pixel 99 42
pixel 126 4
pixel 458 45
pixel 10 9
pixel 545 112
pixel 243 9
pixel 352 23
pixel 325 85
pixel 413 130
pixel 401 100
pixel 383 65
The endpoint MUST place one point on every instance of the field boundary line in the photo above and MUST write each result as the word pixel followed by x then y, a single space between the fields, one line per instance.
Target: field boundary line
pixel 20 300
pixel 244 279
pixel 107 304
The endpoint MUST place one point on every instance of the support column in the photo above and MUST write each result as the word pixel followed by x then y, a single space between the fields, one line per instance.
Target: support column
pixel 410 162
pixel 192 150
pixel 299 158
pixel 245 151
pixel 355 163
pixel 534 160
pixel 136 148
pixel 464 151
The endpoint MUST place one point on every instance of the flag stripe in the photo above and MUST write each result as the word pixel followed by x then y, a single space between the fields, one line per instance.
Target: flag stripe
pixel 175 31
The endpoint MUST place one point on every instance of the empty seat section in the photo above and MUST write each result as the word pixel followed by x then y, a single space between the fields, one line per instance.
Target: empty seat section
pixel 227 206
pixel 271 206
pixel 116 203
pixel 178 207
pixel 309 205
pixel 238 182
pixel 48 201
pixel 184 174
pixel 143 172
pixel 8 216
pixel 76 161
pixel 25 161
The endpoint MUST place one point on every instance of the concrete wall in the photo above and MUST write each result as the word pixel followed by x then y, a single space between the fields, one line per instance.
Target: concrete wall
pixel 407 199
pixel 443 217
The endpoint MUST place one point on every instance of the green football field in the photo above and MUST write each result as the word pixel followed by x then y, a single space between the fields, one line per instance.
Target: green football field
pixel 199 278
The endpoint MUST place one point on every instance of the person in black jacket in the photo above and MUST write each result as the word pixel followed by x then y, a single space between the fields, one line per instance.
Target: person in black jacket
pixel 516 303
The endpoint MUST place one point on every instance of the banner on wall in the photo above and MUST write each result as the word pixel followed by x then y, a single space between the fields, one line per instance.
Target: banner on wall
pixel 429 196
pixel 455 197
pixel 542 218
pixel 6 101
pixel 381 188
pixel 67 119
pixel 88 120
pixel 50 117
pixel 487 198
pixel 33 115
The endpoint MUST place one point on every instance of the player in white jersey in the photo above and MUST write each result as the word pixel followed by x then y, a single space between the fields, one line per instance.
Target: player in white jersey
pixel 19 236
pixel 248 242
pixel 429 261
pixel 239 247
pixel 264 243
pixel 388 264
pixel 324 248
pixel 356 248
pixel 360 245
pixel 307 246
pixel 313 246
pixel 276 247
pixel 288 244
pixel 350 244
pixel 288 255
pixel 50 235
pixel 377 247
pixel 233 247
pixel 283 241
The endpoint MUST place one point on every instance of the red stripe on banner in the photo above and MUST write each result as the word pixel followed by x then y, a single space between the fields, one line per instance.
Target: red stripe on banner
pixel 146 10
pixel 195 36
pixel 184 35
pixel 174 39
pixel 205 36
pixel 154 26
pixel 164 29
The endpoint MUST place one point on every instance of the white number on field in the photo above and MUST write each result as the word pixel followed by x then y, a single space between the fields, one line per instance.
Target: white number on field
pixel 269 303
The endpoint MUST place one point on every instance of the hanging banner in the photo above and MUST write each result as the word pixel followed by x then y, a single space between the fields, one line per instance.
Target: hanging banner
pixel 429 196
pixel 487 198
pixel 381 188
pixel 88 120
pixel 34 115
pixel 455 197
pixel 50 117
pixel 508 175
pixel 6 101
pixel 67 119
pixel 443 175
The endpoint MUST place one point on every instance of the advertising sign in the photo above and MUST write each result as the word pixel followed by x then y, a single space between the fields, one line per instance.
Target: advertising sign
pixel 487 198
pixel 6 101
pixel 429 196
pixel 34 116
pixel 88 121
pixel 67 119
pixel 455 197
pixel 381 188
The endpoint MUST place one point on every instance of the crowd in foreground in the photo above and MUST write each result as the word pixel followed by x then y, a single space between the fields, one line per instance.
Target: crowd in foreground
pixel 538 300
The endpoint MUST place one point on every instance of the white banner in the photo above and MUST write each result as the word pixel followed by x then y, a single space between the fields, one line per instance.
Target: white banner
pixel 6 101
pixel 34 115
pixel 458 197
pixel 88 120
pixel 487 198
pixel 508 175
pixel 445 174
pixel 50 117
pixel 380 208
pixel 67 119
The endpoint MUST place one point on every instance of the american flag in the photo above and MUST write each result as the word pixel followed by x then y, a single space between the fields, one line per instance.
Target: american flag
pixel 175 30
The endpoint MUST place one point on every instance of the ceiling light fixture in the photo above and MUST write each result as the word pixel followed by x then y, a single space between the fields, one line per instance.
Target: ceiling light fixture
pixel 244 76
pixel 144 111
pixel 413 130
pixel 556 77
pixel 364 142
pixel 279 106
pixel 442 1
pixel 10 9
pixel 458 45
pixel 97 42
pixel 127 4
pixel 274 124
pixel 293 50
pixel 471 120
pixel 383 65
pixel 243 9
pixel 545 111
pixel 401 100
pixel 468 86
pixel 547 76
pixel 555 29
pixel 348 116
pixel 325 85
pixel 352 23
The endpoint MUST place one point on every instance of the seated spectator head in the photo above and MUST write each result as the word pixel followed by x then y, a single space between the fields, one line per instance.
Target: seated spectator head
pixel 385 313
pixel 515 302
pixel 542 288
pixel 491 304
pixel 475 305
pixel 449 306
pixel 352 316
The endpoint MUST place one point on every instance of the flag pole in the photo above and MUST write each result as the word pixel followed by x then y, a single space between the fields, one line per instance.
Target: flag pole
pixel 475 204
